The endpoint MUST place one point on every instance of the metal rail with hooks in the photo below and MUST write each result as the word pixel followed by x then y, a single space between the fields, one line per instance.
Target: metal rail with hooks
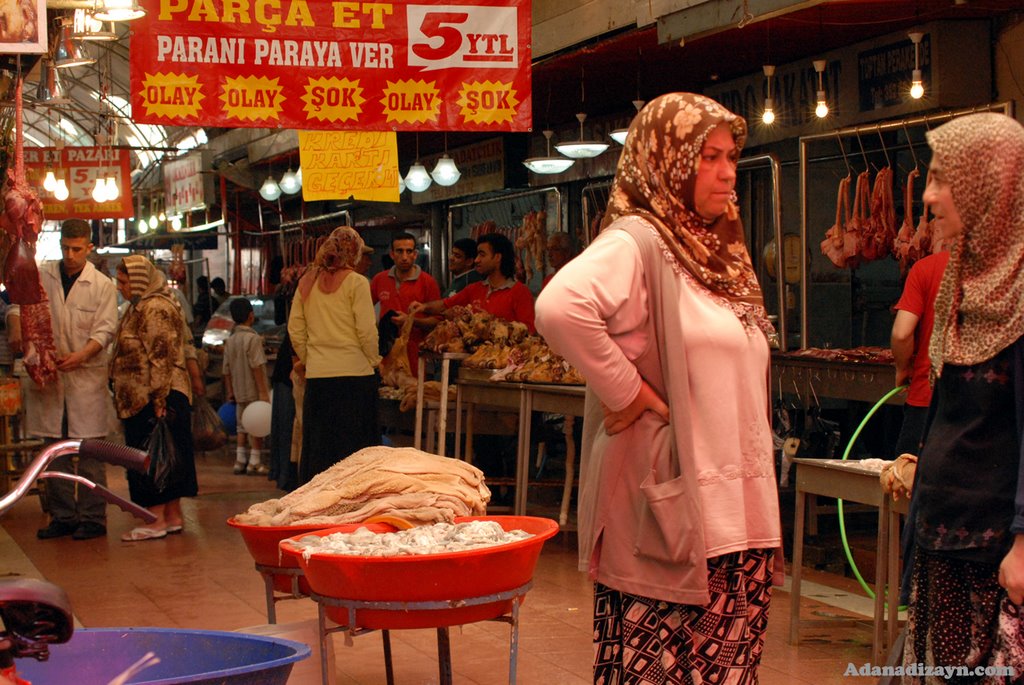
pixel 856 131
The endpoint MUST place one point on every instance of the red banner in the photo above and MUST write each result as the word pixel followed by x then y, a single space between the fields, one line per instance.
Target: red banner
pixel 79 167
pixel 339 65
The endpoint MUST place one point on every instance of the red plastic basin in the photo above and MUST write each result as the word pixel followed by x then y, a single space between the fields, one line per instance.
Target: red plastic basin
pixel 425 578
pixel 262 543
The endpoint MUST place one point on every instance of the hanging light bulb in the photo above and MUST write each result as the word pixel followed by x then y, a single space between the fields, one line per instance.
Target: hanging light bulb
pixel 161 217
pixel 417 180
pixel 175 223
pixel 113 191
pixel 549 164
pixel 118 10
pixel 401 184
pixel 61 192
pixel 290 182
pixel 99 191
pixel 768 116
pixel 50 181
pixel 445 172
pixel 619 134
pixel 821 110
pixel 153 221
pixel 916 82
pixel 270 191
pixel 143 227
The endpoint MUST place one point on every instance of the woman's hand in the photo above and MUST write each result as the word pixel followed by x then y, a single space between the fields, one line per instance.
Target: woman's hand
pixel 1011 571
pixel 646 399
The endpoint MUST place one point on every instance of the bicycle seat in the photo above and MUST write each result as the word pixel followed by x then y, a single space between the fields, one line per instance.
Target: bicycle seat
pixel 34 614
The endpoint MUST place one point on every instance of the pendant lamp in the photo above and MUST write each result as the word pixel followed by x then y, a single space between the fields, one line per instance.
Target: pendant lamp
pixel 118 10
pixel 549 164
pixel 581 149
pixel 619 134
pixel 85 26
pixel 50 90
pixel 270 190
pixel 417 180
pixel 291 182
pixel 69 52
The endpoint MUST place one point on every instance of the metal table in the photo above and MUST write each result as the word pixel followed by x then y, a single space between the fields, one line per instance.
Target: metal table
pixel 849 481
pixel 526 398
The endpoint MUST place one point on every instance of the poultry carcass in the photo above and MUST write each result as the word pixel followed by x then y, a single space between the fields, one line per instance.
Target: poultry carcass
pixel 878 240
pixel 832 245
pixel 859 222
pixel 902 243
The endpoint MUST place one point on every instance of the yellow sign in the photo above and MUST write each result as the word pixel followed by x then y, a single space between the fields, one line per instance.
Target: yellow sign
pixel 489 102
pixel 407 102
pixel 171 94
pixel 341 165
pixel 252 97
pixel 333 99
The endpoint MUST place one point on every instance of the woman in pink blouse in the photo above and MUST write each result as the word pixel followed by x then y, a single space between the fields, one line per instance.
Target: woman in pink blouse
pixel 678 512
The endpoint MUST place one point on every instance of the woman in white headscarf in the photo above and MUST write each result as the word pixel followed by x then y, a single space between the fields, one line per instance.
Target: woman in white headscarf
pixel 151 382
pixel 965 533
pixel 333 329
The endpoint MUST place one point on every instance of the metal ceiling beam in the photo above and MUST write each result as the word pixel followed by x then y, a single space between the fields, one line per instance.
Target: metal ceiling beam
pixel 709 18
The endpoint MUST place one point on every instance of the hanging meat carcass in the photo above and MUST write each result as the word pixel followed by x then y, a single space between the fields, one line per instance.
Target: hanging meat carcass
pixel 832 245
pixel 859 223
pixel 878 241
pixel 21 222
pixel 902 245
pixel 921 245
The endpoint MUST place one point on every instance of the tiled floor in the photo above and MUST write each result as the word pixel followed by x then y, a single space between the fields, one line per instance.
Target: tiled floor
pixel 205 579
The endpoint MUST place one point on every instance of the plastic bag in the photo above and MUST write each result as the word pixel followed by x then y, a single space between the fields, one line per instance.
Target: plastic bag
pixel 208 431
pixel 163 456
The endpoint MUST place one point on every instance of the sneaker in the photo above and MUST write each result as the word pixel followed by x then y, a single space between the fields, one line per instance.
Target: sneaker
pixel 89 530
pixel 259 470
pixel 56 529
pixel 239 469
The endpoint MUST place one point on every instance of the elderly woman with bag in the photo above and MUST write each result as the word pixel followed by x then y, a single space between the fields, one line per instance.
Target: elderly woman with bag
pixel 152 392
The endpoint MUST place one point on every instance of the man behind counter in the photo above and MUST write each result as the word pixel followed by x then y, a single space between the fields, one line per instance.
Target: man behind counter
pixel 461 264
pixel 498 293
pixel 402 285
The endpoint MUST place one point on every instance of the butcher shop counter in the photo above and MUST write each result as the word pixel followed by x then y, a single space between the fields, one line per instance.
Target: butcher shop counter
pixel 859 381
pixel 473 391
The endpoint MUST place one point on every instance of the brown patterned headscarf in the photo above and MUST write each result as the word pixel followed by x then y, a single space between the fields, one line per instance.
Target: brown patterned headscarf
pixel 335 259
pixel 978 309
pixel 655 180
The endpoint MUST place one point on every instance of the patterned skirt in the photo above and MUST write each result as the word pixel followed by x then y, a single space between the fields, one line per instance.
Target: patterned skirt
pixel 644 641
pixel 959 616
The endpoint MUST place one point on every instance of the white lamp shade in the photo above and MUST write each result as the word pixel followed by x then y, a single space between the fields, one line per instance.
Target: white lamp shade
pixel 619 135
pixel 548 165
pixel 113 192
pixel 290 183
pixel 417 180
pixel 99 191
pixel 143 226
pixel 581 149
pixel 61 192
pixel 401 184
pixel 445 172
pixel 118 10
pixel 176 223
pixel 270 191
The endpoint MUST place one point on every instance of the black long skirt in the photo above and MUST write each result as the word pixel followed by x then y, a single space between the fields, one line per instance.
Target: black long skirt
pixel 339 417
pixel 182 482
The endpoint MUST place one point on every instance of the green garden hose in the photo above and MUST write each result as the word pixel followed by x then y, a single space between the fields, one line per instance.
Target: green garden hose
pixel 839 502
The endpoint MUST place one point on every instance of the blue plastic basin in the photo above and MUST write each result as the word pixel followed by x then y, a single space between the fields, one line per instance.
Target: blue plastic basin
pixel 98 655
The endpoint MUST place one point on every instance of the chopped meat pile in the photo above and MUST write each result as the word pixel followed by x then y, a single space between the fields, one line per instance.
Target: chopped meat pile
pixel 866 354
pixel 380 483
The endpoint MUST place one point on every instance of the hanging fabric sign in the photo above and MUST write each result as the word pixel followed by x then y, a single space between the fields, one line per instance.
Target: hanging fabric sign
pixel 79 168
pixel 341 165
pixel 306 64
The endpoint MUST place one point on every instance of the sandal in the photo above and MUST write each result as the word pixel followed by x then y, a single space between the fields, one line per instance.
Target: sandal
pixel 143 533
pixel 175 529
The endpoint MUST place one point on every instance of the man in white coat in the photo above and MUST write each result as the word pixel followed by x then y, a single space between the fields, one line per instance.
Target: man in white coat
pixel 83 307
